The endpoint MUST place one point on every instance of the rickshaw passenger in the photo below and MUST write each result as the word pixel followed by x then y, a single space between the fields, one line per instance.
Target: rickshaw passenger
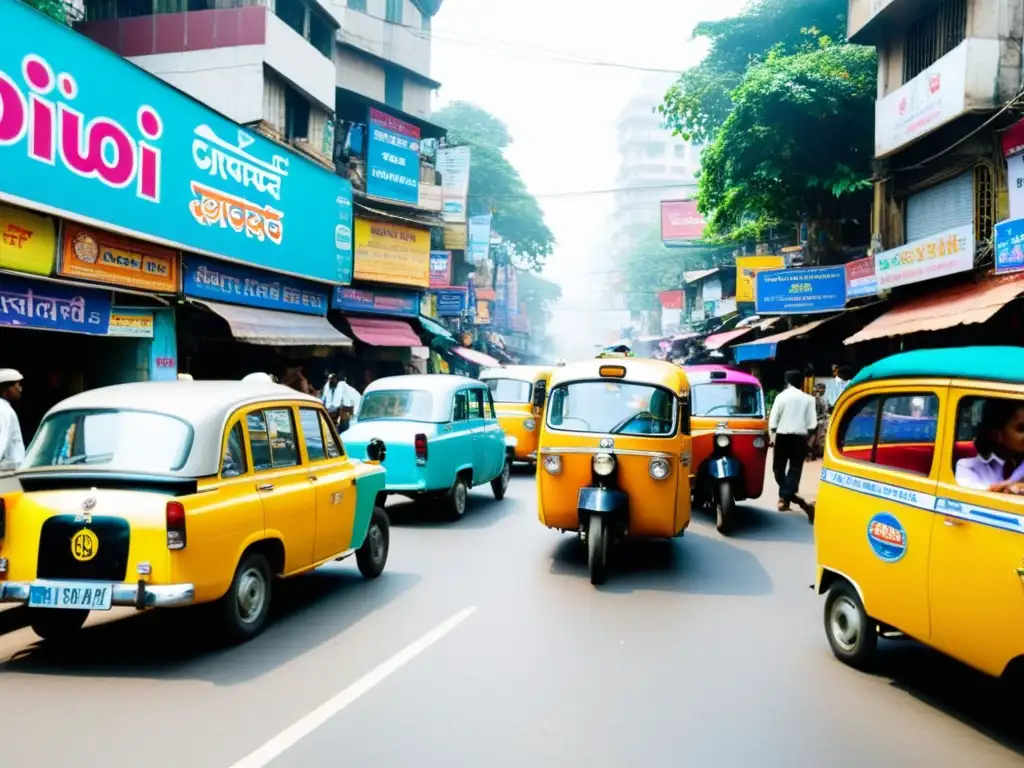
pixel 999 464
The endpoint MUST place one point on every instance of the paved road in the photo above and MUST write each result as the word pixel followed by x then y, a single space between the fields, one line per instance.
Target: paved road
pixel 485 645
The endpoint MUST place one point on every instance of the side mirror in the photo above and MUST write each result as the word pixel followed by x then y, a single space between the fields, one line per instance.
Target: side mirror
pixel 540 392
pixel 376 450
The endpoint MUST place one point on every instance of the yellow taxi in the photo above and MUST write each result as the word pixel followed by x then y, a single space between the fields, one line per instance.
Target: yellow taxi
pixel 919 529
pixel 518 394
pixel 166 494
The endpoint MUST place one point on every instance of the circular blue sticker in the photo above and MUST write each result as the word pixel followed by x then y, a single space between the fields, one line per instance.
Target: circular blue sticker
pixel 887 537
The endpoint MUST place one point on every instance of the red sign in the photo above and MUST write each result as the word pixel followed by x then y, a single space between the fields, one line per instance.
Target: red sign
pixel 440 269
pixel 671 299
pixel 681 221
pixel 1013 139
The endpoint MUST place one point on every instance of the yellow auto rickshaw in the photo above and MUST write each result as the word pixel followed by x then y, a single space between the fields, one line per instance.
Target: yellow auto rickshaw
pixel 513 388
pixel 615 453
pixel 919 530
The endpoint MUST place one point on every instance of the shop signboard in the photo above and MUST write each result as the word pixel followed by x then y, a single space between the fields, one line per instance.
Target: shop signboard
pixel 860 278
pixel 392 253
pixel 393 159
pixel 214 281
pixel 379 301
pixel 28 241
pixel 747 267
pixel 163 350
pixel 479 239
pixel 145 160
pixel 453 164
pixel 1015 185
pixel 681 222
pixel 455 237
pixel 1009 246
pixel 672 299
pixel 91 254
pixel 131 323
pixel 450 302
pixel 51 306
pixel 945 253
pixel 800 291
pixel 440 269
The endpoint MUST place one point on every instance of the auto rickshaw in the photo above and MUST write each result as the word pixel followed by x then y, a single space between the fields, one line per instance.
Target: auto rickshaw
pixel 512 388
pixel 730 439
pixel 615 454
pixel 919 531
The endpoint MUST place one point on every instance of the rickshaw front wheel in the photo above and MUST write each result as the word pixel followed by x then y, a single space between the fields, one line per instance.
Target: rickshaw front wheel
pixel 850 631
pixel 597 549
pixel 725 508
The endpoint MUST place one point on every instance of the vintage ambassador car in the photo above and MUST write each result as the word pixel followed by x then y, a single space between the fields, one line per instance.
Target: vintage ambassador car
pixel 163 494
pixel 442 434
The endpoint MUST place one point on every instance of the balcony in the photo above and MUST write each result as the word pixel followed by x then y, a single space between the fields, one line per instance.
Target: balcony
pixel 866 19
pixel 233 43
pixel 408 48
pixel 964 80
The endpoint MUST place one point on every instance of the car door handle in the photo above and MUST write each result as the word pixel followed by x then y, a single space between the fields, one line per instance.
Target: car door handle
pixel 312 478
pixel 265 487
pixel 1019 572
pixel 952 522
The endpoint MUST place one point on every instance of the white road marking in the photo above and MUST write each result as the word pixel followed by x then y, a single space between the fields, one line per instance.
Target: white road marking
pixel 294 733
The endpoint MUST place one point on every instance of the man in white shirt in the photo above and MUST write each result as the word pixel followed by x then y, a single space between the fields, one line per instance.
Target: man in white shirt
pixel 340 399
pixel 840 378
pixel 12 444
pixel 792 422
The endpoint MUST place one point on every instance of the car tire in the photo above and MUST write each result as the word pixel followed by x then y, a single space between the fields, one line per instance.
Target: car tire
pixel 372 556
pixel 499 485
pixel 725 508
pixel 597 549
pixel 55 625
pixel 456 498
pixel 246 606
pixel 850 631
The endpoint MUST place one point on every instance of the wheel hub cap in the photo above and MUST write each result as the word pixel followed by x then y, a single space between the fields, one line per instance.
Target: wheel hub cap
pixel 846 624
pixel 252 594
pixel 460 498
pixel 376 544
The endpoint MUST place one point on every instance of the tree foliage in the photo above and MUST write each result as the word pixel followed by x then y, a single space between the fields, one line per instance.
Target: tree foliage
pixel 495 186
pixel 538 295
pixel 651 267
pixel 55 9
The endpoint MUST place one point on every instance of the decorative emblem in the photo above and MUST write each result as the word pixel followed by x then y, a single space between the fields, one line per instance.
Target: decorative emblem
pixel 606 442
pixel 89 503
pixel 337 497
pixel 84 545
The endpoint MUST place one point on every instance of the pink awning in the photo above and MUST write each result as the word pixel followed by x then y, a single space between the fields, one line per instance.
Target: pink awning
pixel 719 340
pixel 477 358
pixel 384 332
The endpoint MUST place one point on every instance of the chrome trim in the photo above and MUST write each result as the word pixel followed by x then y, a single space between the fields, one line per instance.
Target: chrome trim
pixel 613 451
pixel 159 596
pixel 719 431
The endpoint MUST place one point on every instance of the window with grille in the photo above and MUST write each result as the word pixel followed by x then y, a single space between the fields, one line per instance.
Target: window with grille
pixel 934 35
pixel 984 203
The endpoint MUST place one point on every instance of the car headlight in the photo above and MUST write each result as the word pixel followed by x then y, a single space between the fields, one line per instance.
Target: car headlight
pixel 529 425
pixel 722 440
pixel 604 464
pixel 658 468
pixel 553 465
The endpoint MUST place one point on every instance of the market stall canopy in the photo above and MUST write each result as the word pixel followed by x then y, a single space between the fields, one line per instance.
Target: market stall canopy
pixel 719 340
pixel 277 329
pixel 685 336
pixel 477 358
pixel 764 349
pixel 436 329
pixel 384 332
pixel 956 305
pixel 693 277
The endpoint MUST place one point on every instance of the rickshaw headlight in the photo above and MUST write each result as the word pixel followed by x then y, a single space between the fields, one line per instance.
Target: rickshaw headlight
pixel 529 425
pixel 722 440
pixel 604 464
pixel 553 465
pixel 659 468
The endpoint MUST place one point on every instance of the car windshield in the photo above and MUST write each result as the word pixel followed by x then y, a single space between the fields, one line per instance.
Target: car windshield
pixel 612 407
pixel 119 440
pixel 407 405
pixel 727 400
pixel 510 390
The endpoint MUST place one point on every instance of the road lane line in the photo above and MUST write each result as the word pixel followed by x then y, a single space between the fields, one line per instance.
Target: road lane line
pixel 294 733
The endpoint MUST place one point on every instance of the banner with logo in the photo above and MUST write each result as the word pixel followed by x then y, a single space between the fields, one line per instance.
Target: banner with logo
pixel 91 254
pixel 1009 246
pixel 681 222
pixel 747 267
pixel 451 302
pixel 860 278
pixel 392 253
pixel 453 164
pixel 946 253
pixel 800 291
pixel 440 269
pixel 392 158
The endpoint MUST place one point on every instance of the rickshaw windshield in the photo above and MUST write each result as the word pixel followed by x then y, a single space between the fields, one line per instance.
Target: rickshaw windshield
pixel 510 391
pixel 612 408
pixel 727 400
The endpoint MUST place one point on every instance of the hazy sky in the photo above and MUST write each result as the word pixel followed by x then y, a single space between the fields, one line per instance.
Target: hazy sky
pixel 562 115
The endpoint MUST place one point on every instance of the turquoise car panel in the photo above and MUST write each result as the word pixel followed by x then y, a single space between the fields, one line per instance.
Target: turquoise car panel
pixel 367 488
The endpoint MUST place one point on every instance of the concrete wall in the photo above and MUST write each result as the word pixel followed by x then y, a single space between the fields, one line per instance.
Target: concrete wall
pixel 299 62
pixel 408 45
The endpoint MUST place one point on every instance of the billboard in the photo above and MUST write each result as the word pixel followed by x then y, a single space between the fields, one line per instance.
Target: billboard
pixel 681 222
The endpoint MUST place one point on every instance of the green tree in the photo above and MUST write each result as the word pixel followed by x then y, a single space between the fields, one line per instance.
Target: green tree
pixel 651 267
pixel 495 186
pixel 538 295
pixel 55 9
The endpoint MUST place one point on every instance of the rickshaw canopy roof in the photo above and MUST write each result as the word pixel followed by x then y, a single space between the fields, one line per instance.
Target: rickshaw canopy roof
pixel 701 374
pixel 530 373
pixel 983 363
pixel 639 370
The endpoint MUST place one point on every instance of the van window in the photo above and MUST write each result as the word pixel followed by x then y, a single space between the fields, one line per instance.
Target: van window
pixel 897 431
pixel 989 442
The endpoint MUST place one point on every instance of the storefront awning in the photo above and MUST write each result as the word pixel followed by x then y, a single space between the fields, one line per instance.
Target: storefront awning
pixel 436 329
pixel 384 332
pixel 957 305
pixel 764 349
pixel 477 358
pixel 719 340
pixel 277 329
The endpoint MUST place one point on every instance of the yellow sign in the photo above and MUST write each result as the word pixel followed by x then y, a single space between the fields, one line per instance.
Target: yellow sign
pixel 84 545
pixel 392 253
pixel 137 325
pixel 455 237
pixel 747 267
pixel 483 313
pixel 106 258
pixel 28 241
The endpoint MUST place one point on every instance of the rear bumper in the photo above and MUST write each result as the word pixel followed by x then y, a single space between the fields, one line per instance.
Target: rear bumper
pixel 125 595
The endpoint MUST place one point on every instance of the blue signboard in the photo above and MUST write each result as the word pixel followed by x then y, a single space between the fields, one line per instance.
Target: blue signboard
pixel 378 301
pixel 799 291
pixel 393 159
pixel 53 306
pixel 208 279
pixel 451 302
pixel 110 144
pixel 1010 246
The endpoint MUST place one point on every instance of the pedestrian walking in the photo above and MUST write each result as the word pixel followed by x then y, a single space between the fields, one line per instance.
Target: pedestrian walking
pixel 821 411
pixel 792 423
pixel 341 400
pixel 12 444
pixel 840 378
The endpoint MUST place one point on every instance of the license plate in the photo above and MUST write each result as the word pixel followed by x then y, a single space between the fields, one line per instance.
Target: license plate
pixel 71 595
